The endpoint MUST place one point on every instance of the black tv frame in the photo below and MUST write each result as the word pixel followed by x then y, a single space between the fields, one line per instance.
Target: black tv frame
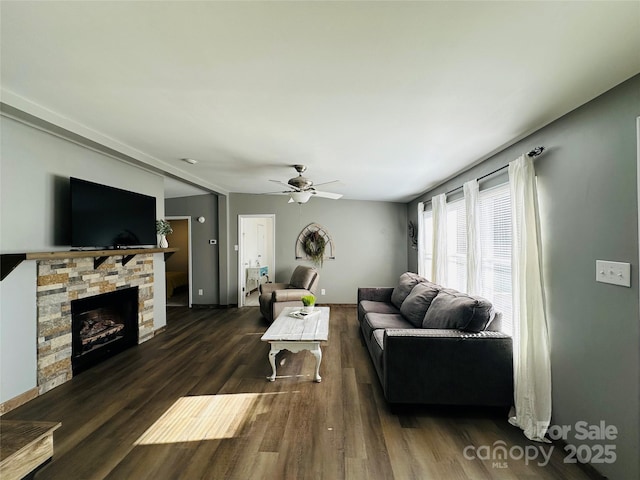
pixel 105 217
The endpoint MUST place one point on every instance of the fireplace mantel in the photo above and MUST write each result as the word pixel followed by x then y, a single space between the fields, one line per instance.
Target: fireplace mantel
pixel 11 260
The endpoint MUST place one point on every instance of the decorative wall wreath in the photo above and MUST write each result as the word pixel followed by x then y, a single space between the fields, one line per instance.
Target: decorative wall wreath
pixel 314 243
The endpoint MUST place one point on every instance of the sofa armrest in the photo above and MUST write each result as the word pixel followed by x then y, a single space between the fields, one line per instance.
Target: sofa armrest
pixel 270 287
pixel 375 294
pixel 290 295
pixel 448 367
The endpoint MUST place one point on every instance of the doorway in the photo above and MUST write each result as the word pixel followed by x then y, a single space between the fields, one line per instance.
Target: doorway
pixel 178 267
pixel 257 256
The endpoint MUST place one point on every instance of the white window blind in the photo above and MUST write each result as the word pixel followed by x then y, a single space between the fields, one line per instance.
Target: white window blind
pixel 428 241
pixel 457 245
pixel 495 240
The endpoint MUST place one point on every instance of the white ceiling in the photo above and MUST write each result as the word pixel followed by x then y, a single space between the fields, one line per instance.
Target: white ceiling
pixel 390 98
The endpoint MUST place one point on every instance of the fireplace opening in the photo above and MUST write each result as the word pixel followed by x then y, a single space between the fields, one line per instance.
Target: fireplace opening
pixel 103 326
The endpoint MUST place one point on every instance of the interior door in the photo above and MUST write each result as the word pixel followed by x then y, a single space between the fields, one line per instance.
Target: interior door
pixel 180 263
pixel 260 241
pixel 256 245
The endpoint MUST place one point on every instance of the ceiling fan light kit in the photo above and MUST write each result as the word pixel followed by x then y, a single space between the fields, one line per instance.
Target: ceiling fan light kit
pixel 299 197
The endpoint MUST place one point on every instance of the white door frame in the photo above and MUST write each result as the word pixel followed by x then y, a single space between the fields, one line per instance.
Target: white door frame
pixel 188 219
pixel 638 176
pixel 272 269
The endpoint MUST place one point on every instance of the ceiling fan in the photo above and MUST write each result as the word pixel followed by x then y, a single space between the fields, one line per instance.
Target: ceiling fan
pixel 301 189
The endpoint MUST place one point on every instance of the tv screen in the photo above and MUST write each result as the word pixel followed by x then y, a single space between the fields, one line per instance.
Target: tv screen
pixel 108 217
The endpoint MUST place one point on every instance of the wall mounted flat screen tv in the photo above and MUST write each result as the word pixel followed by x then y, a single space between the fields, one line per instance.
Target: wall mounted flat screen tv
pixel 108 217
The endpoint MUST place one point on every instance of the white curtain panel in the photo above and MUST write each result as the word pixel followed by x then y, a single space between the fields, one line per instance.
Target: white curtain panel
pixel 531 358
pixel 472 207
pixel 421 241
pixel 439 266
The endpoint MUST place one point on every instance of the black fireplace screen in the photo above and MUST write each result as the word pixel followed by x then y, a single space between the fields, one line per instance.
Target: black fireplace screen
pixel 102 326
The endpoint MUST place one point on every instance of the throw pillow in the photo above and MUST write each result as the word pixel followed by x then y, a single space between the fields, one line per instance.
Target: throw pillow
pixel 406 283
pixel 456 310
pixel 418 301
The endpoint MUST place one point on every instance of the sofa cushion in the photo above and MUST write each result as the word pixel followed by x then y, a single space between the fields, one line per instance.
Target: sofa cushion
pixel 371 306
pixel 406 283
pixel 378 321
pixel 378 339
pixel 456 310
pixel 418 301
pixel 377 347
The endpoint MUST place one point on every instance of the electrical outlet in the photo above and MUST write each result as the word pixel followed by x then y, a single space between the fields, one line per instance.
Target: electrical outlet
pixel 323 292
pixel 200 291
pixel 616 273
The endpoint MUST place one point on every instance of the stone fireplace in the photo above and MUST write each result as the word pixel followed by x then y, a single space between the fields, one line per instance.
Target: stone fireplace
pixel 62 281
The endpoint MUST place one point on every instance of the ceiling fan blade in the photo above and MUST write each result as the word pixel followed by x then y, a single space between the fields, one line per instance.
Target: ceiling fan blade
pixel 293 189
pixel 325 183
pixel 333 196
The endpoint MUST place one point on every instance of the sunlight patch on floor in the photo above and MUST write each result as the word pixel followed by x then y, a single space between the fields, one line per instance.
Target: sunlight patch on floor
pixel 203 417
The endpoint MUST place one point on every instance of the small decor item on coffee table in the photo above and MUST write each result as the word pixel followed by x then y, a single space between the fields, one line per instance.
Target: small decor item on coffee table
pixel 309 302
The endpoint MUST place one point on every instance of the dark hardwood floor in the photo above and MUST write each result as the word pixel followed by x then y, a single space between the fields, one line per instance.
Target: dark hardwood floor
pixel 194 403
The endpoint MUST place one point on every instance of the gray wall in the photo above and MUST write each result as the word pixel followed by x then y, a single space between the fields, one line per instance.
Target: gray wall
pixel 204 256
pixel 588 210
pixel 18 332
pixel 370 240
pixel 35 167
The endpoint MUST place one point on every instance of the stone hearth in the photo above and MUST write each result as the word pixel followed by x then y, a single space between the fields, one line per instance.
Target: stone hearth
pixel 60 282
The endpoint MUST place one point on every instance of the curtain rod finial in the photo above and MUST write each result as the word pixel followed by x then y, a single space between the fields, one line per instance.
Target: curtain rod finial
pixel 535 152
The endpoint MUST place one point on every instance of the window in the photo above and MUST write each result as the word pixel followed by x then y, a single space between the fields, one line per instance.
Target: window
pixel 428 242
pixel 495 240
pixel 495 245
pixel 457 245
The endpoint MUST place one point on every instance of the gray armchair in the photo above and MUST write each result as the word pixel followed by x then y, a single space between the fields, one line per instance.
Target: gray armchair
pixel 275 296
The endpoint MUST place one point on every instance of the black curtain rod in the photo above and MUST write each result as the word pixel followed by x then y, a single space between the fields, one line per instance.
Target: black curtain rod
pixel 533 153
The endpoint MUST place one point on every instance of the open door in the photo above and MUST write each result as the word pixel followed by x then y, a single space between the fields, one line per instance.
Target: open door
pixel 178 267
pixel 256 259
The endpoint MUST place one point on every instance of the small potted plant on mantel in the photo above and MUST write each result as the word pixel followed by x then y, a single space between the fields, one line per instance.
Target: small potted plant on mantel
pixel 163 228
pixel 309 302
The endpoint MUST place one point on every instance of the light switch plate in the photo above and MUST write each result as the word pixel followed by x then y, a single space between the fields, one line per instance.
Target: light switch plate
pixel 616 273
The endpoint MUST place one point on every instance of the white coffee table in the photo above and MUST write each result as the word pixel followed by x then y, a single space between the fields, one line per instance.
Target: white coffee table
pixel 295 335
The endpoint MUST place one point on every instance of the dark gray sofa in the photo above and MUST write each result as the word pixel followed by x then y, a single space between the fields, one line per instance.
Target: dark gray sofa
pixel 434 345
